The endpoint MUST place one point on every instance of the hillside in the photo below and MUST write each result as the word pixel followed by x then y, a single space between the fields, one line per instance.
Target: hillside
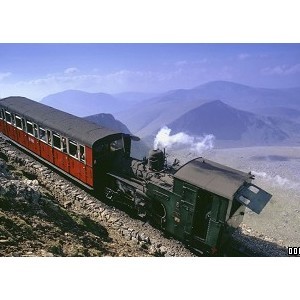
pixel 280 112
pixel 34 223
pixel 229 124
pixel 81 103
pixel 108 120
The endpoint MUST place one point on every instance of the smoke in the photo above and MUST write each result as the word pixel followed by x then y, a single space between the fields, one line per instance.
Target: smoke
pixel 277 180
pixel 164 139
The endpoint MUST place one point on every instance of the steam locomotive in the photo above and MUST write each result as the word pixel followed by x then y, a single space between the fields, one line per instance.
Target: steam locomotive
pixel 199 203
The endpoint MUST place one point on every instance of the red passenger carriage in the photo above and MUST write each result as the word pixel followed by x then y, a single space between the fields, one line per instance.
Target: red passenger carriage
pixel 79 148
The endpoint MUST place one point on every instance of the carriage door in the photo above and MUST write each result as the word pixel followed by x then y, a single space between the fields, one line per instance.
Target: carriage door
pixel 187 208
pixel 203 214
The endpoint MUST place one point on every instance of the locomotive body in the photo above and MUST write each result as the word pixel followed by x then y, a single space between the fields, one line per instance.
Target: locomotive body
pixel 199 203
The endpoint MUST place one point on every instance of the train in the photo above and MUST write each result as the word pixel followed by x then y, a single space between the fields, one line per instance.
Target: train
pixel 199 203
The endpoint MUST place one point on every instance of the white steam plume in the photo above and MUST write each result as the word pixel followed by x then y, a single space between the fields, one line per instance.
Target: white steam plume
pixel 164 139
pixel 277 180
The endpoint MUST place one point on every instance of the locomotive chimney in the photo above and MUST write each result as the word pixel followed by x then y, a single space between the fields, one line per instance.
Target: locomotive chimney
pixel 156 160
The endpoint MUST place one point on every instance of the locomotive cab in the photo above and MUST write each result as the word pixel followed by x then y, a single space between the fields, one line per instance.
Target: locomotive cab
pixel 107 153
pixel 213 197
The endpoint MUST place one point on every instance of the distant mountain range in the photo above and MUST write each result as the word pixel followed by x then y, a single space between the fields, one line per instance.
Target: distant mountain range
pixel 166 108
pixel 82 103
pixel 235 113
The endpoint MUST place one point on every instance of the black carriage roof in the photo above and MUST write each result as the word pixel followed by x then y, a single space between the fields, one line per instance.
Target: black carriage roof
pixel 216 178
pixel 73 127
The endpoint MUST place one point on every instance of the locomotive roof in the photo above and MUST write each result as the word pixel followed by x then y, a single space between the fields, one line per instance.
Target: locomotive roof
pixel 72 126
pixel 214 177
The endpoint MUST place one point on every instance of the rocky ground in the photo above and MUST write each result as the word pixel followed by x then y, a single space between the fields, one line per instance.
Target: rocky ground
pixel 33 223
pixel 42 214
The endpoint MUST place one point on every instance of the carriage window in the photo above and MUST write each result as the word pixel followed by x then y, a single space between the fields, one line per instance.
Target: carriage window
pixel 18 122
pixel 81 153
pixel 1 114
pixel 73 149
pixel 35 130
pixel 116 145
pixel 24 124
pixel 8 116
pixel 56 140
pixel 43 135
pixel 64 144
pixel 29 127
pixel 13 119
pixel 49 137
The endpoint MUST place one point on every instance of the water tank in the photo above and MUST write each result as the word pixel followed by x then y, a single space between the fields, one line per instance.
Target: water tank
pixel 156 160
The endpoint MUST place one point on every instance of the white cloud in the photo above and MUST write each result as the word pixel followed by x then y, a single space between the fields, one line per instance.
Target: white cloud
pixel 201 61
pixel 4 75
pixel 71 78
pixel 180 63
pixel 243 56
pixel 72 70
pixel 277 180
pixel 281 70
pixel 293 69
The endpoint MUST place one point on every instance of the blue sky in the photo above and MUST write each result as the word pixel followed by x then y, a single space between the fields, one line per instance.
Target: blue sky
pixel 37 70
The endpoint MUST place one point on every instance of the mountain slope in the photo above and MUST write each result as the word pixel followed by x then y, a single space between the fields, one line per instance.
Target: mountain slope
pixel 280 111
pixel 229 125
pixel 81 103
pixel 108 120
pixel 134 97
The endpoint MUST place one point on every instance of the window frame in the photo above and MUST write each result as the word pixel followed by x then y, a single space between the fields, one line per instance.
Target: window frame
pixel 83 160
pixel 49 137
pixel 64 144
pixel 13 119
pixel 74 143
pixel 31 124
pixel 116 145
pixel 8 113
pixel 35 130
pixel 45 135
pixel 24 125
pixel 56 135
pixel 17 117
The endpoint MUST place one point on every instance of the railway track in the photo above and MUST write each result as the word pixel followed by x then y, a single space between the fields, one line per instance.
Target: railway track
pixel 73 197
